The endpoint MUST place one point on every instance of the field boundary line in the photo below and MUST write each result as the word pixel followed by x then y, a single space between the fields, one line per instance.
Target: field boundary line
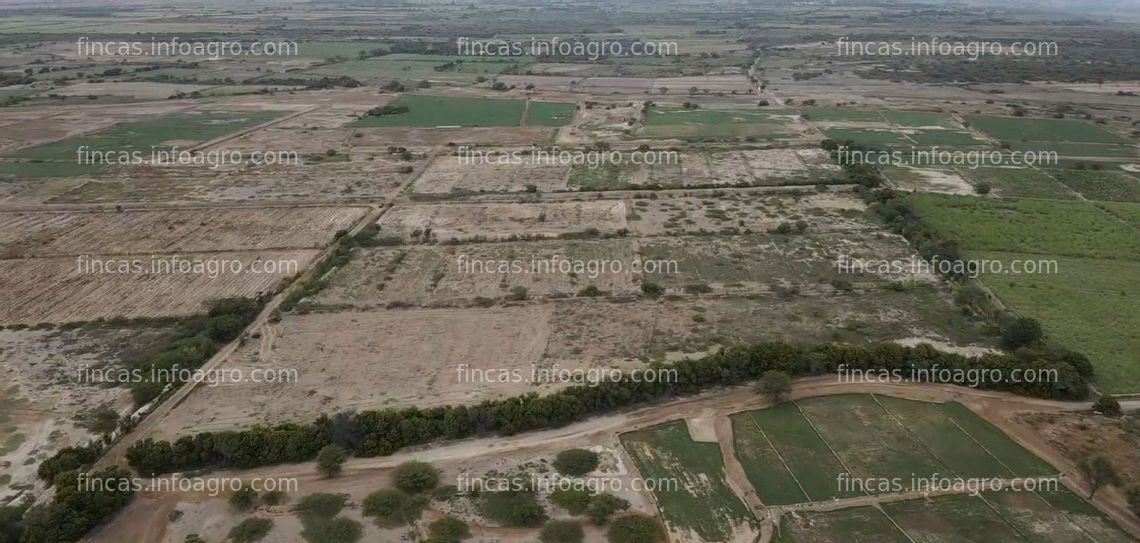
pixel 778 455
pixel 1086 201
pixel 824 440
pixel 979 443
pixel 880 509
pixel 914 437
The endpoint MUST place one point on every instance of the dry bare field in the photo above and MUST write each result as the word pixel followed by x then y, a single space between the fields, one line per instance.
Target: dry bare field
pixel 369 360
pixel 57 289
pixel 170 231
pixel 489 172
pixel 494 221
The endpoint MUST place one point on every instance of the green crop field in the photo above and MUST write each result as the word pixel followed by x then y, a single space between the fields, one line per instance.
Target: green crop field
pixel 407 68
pixel 1019 183
pixel 1058 130
pixel 704 503
pixel 964 518
pixel 430 111
pixel 1086 301
pixel 158 132
pixel 811 463
pixel 1089 305
pixel 833 114
pixel 1055 516
pixel 1045 227
pixel 865 438
pixel 1127 212
pixel 950 138
pixel 868 136
pixel 919 119
pixel 1112 186
pixel 549 113
pixel 1075 150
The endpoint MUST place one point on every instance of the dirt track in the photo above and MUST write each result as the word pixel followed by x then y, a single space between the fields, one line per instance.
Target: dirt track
pixel 148 514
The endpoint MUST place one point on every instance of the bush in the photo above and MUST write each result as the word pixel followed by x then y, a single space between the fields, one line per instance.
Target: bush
pixel 576 462
pixel 589 291
pixel 1019 332
pixel 413 477
pixel 321 505
pixel 448 530
pixel 518 293
pixel 274 497
pixel 330 460
pixel 983 188
pixel 515 509
pixel 561 531
pixel 243 498
pixel 651 289
pixel 775 385
pixel 1107 405
pixel 603 506
pixel 393 508
pixel 574 501
pixel 635 528
pixel 74 510
pixel 250 530
pixel 335 530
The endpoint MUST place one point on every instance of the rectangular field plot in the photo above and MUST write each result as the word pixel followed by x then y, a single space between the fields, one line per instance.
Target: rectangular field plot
pixel 704 504
pixel 429 111
pixel 931 426
pixel 854 525
pixel 746 213
pixel 1055 517
pixel 1074 229
pixel 919 119
pixel 1058 130
pixel 374 360
pixel 549 113
pixel 867 440
pixel 499 221
pixel 181 129
pixel 448 174
pixel 811 467
pixel 56 290
pixel 1088 304
pixel 1101 185
pixel 171 231
pixel 959 519
pixel 851 115
pixel 1013 456
pixel 1066 150
pixel 1019 183
pixel 874 137
pixel 703 123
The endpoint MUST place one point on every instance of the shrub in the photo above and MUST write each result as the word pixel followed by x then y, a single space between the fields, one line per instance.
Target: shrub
pixel 983 188
pixel 393 508
pixel 574 501
pixel 561 531
pixel 518 293
pixel 321 505
pixel 576 462
pixel 635 528
pixel 515 509
pixel 1107 405
pixel 415 476
pixel 334 530
pixel 250 530
pixel 448 530
pixel 243 498
pixel 274 497
pixel 603 506
pixel 1019 331
pixel 330 460
pixel 589 291
pixel 775 385
pixel 651 289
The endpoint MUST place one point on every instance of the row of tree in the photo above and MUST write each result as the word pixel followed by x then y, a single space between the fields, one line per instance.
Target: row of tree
pixel 382 432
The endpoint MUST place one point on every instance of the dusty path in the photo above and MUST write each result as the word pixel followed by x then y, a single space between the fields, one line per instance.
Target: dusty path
pixel 146 516
pixel 733 471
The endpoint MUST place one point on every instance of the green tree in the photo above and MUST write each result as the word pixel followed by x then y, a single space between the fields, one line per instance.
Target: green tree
pixel 393 508
pixel 250 530
pixel 1108 405
pixel 561 531
pixel 330 460
pixel 775 384
pixel 576 462
pixel 448 530
pixel 1098 471
pixel 243 498
pixel 635 528
pixel 415 476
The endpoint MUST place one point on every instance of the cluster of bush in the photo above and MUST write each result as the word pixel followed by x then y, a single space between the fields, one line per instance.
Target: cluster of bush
pixel 382 432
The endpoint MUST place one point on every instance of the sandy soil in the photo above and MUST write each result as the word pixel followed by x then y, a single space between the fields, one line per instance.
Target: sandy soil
pixel 493 221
